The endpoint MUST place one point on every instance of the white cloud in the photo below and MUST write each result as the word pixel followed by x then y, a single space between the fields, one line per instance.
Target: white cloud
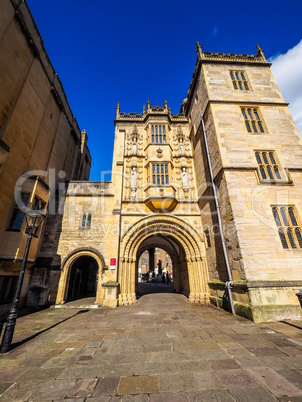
pixel 287 70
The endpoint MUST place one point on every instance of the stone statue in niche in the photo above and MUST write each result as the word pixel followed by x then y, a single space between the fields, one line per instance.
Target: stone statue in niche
pixel 134 146
pixel 133 180
pixel 181 147
pixel 185 178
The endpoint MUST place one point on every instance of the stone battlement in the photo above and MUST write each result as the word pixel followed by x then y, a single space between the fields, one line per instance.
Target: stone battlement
pixel 150 110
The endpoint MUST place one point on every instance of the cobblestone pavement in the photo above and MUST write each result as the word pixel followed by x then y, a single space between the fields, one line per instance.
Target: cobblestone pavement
pixel 160 349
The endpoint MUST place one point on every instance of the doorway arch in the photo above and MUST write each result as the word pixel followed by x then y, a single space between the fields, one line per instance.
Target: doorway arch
pixel 72 274
pixel 175 236
pixel 83 278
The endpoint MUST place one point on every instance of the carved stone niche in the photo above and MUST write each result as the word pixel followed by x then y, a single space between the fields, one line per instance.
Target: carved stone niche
pixel 134 134
pixel 179 134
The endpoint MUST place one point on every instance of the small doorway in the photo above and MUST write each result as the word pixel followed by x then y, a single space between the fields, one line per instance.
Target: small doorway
pixel 83 278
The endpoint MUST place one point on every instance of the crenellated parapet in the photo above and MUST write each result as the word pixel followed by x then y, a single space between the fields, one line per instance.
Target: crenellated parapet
pixel 148 112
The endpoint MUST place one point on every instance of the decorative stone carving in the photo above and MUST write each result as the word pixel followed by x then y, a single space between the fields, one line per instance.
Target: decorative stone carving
pixel 185 178
pixel 133 179
pixel 181 147
pixel 134 146
pixel 159 153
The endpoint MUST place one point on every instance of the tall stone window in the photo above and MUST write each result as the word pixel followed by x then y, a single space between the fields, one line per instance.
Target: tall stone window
pixel 86 220
pixel 239 80
pixel 160 174
pixel 252 119
pixel 158 134
pixel 288 228
pixel 268 168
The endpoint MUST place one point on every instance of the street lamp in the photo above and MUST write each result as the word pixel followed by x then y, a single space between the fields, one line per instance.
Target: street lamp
pixel 34 218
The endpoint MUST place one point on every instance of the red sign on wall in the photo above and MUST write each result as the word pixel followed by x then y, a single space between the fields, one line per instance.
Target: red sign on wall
pixel 112 263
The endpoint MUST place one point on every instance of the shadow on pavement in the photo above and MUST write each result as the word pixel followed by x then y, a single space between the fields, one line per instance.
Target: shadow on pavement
pixel 146 288
pixel 17 344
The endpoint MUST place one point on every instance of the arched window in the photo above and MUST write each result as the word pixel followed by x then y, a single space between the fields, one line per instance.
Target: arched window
pixel 84 220
pixel 284 217
pixel 291 239
pixel 264 161
pixel 299 237
pixel 289 232
pixel 88 224
pixel 277 174
pixel 239 80
pixel 283 238
pixel 252 118
pixel 276 216
pixel 292 217
pixel 262 171
pixel 270 174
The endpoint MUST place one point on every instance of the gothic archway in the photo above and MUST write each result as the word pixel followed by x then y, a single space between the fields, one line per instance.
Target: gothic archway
pixel 181 240
pixel 75 277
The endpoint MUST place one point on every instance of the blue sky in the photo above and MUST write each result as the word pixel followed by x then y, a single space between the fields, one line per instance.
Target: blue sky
pixel 129 51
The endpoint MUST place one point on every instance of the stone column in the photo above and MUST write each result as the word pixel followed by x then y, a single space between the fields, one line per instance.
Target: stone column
pixel 123 300
pixel 151 259
pixel 132 294
pixel 192 285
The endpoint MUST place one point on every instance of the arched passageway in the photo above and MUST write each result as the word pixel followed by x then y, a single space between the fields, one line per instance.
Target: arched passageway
pixel 83 278
pixel 80 276
pixel 176 252
pixel 154 271
pixel 185 247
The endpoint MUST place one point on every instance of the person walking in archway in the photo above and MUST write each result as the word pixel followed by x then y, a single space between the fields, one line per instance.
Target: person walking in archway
pixel 163 278
pixel 168 278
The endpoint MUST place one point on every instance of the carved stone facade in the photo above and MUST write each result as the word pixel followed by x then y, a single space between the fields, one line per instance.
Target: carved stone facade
pixel 161 194
pixel 234 134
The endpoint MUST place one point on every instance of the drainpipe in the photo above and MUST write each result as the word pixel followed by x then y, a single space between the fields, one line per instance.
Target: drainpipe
pixel 228 269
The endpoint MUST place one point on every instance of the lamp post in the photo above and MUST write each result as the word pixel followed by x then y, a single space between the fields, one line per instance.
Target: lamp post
pixel 34 218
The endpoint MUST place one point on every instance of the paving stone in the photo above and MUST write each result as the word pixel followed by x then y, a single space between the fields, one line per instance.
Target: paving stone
pixel 195 366
pixel 50 390
pixel 224 364
pixel 135 398
pixel 211 395
pixel 183 382
pixel 106 386
pixel 205 380
pixel 252 395
pixel 167 397
pixel 138 385
pixel 250 361
pixel 292 376
pixel 295 361
pixel 155 368
pixel 266 352
pixel 4 386
pixel 274 382
pixel 235 379
pixel 11 375
pixel 40 374
pixel 79 372
pixel 276 363
pixel 83 388
pixel 21 391
pixel 116 370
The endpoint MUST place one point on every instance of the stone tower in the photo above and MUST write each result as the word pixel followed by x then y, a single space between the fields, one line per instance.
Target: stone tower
pixel 255 154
